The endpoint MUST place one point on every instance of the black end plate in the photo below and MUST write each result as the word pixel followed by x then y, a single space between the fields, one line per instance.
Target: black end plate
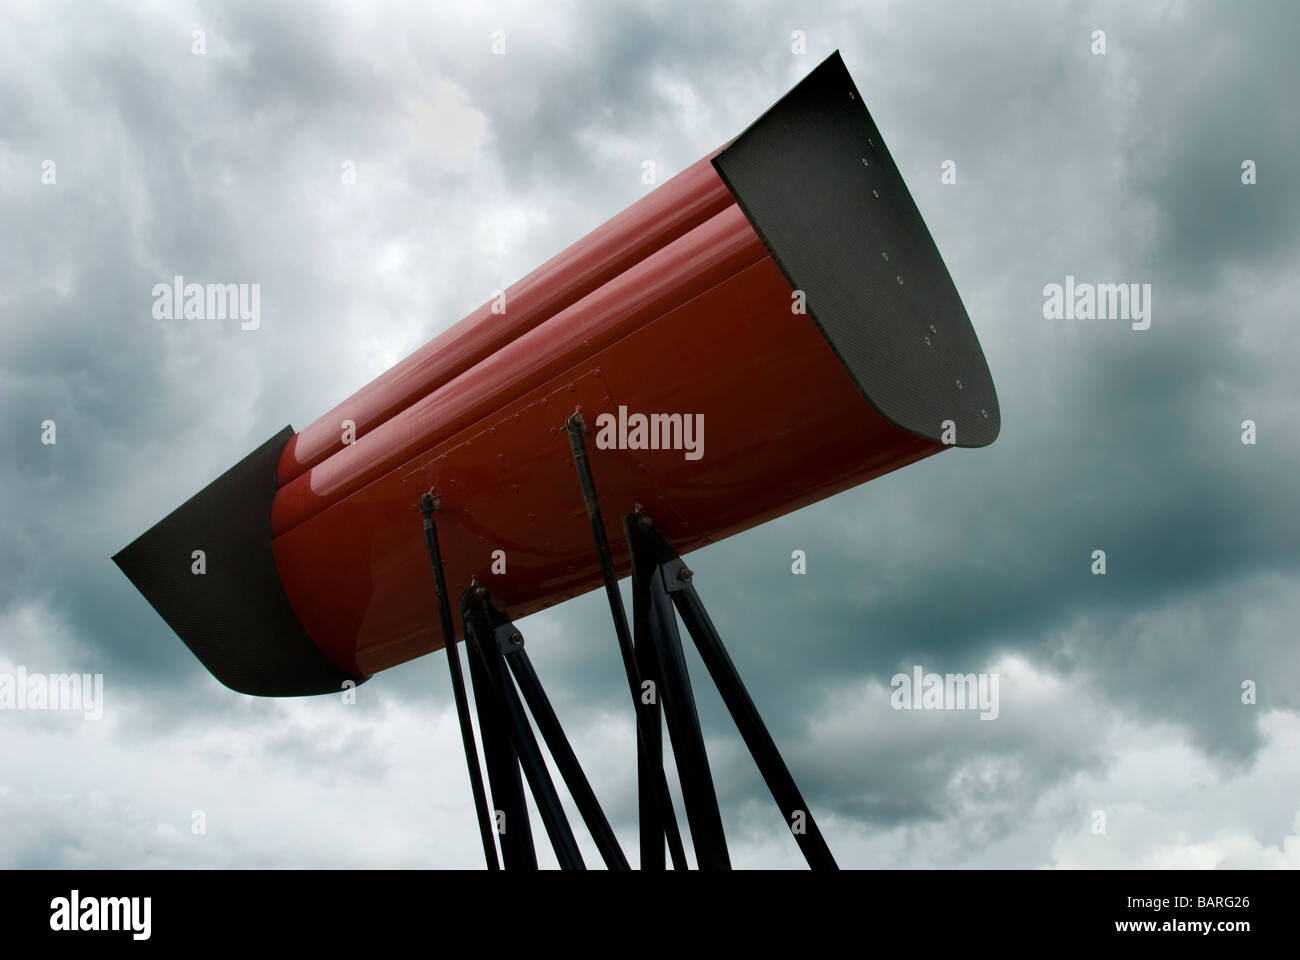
pixel 235 617
pixel 818 185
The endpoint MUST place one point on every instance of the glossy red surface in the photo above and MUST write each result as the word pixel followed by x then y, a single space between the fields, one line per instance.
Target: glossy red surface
pixel 667 278
pixel 784 426
pixel 660 217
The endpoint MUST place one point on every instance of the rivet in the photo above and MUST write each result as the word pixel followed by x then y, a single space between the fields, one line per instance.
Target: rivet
pixel 876 194
pixel 864 162
pixel 884 256
pixel 984 414
pixel 900 281
pixel 870 142
pixel 927 340
pixel 932 330
pixel 958 384
pixel 850 94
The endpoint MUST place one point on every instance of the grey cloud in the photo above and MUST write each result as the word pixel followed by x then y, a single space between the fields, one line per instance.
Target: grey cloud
pixel 1117 168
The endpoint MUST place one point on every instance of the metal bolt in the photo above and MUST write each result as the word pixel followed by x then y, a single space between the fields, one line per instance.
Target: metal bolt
pixel 481 592
pixel 645 523
pixel 516 638
pixel 685 574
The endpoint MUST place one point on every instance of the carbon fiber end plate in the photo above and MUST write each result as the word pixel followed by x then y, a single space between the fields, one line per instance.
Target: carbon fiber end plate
pixel 815 179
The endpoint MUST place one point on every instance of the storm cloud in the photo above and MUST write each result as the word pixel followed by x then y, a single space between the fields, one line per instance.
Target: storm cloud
pixel 379 171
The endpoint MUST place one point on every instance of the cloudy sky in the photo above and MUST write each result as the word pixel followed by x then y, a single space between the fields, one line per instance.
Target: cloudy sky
pixel 126 158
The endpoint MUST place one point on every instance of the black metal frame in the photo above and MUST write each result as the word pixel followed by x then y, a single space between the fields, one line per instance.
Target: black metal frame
pixel 655 664
pixel 664 584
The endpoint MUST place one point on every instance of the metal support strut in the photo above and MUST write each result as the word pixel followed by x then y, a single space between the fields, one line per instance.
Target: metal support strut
pixel 655 664
pixel 661 582
pixel 496 654
pixel 649 740
pixel 428 504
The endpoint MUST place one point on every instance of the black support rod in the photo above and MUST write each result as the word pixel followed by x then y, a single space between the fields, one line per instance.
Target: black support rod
pixel 517 850
pixel 657 636
pixel 798 818
pixel 486 640
pixel 576 428
pixel 548 724
pixel 428 504
pixel 652 826
pixel 698 793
